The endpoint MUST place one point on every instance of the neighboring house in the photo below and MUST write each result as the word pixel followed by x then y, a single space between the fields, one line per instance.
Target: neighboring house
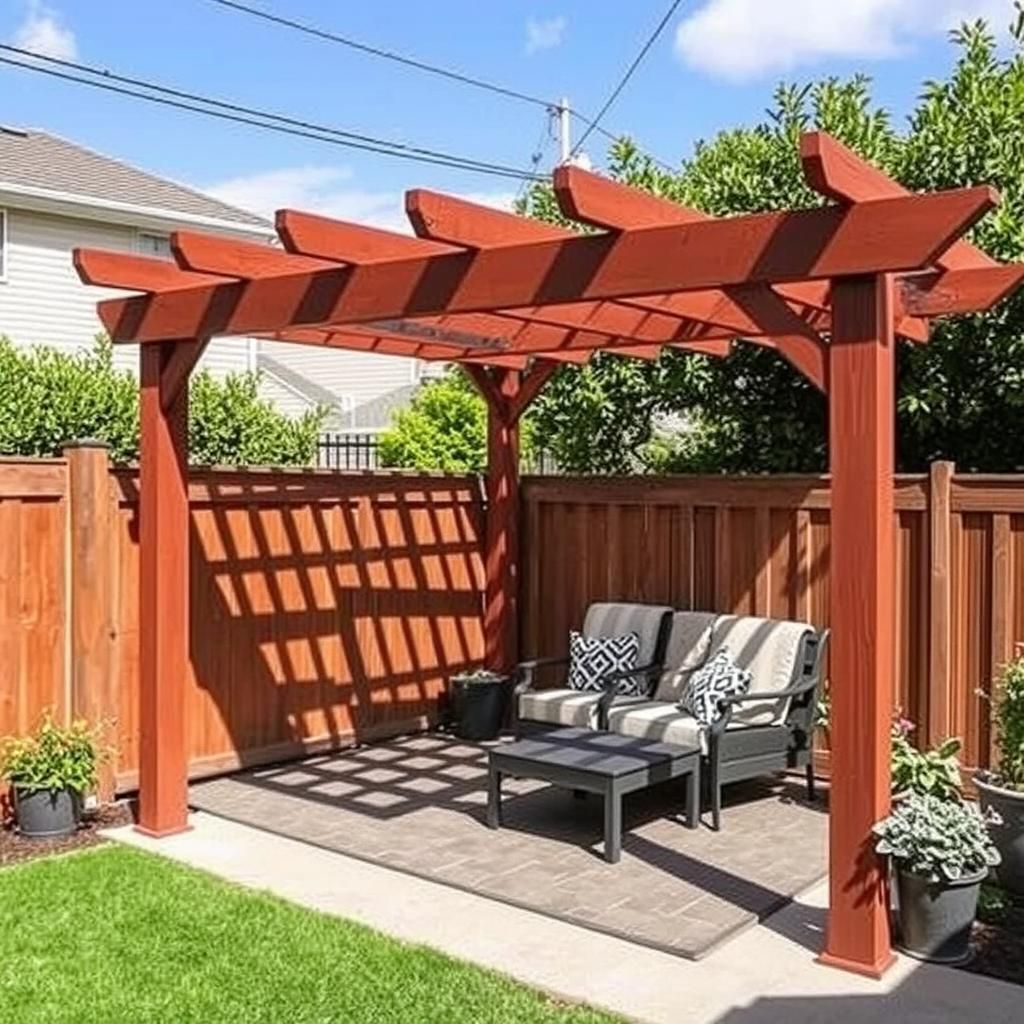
pixel 360 389
pixel 56 195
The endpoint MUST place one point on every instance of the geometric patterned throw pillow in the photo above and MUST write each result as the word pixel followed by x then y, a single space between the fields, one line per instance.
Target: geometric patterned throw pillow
pixel 592 658
pixel 717 678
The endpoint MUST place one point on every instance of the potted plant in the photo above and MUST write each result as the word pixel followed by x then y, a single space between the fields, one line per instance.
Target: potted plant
pixel 50 772
pixel 1001 791
pixel 941 853
pixel 478 703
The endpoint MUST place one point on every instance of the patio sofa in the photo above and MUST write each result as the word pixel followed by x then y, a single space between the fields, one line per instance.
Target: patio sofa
pixel 766 730
pixel 537 710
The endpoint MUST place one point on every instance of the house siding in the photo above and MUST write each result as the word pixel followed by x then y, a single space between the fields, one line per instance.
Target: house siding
pixel 42 301
pixel 355 377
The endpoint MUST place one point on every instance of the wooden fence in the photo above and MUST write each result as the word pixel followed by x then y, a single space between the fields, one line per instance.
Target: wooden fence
pixel 325 607
pixel 328 607
pixel 760 545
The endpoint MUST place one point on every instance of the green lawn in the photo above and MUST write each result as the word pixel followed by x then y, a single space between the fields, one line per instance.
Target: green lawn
pixel 112 934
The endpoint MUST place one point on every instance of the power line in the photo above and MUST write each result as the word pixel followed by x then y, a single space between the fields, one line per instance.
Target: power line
pixel 629 73
pixel 334 37
pixel 434 69
pixel 226 111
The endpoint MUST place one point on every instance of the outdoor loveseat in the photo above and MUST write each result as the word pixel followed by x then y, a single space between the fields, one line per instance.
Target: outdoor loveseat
pixel 767 729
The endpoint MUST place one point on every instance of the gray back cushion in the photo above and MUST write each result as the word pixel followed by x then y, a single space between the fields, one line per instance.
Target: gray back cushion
pixel 610 619
pixel 768 648
pixel 689 642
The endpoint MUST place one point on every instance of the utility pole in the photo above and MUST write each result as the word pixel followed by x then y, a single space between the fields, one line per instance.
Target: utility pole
pixel 564 123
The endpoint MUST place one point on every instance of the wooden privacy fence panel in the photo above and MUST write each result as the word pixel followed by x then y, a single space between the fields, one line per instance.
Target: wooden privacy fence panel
pixel 760 546
pixel 329 606
pixel 33 591
pixel 325 607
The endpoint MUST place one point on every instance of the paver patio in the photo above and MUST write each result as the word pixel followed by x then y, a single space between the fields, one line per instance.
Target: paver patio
pixel 416 804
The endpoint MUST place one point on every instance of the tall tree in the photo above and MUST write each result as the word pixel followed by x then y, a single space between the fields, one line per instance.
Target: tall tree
pixel 961 396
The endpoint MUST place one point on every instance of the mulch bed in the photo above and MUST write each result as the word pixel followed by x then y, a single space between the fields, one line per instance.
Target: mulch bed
pixel 15 848
pixel 997 946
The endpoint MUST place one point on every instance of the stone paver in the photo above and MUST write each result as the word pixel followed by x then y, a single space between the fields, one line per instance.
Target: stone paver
pixel 416 805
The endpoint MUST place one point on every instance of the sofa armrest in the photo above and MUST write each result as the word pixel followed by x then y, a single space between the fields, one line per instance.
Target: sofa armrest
pixel 525 672
pixel 727 704
pixel 610 685
pixel 789 691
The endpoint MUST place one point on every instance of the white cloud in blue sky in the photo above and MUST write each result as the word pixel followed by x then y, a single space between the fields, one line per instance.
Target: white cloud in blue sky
pixel 44 32
pixel 545 33
pixel 745 39
pixel 331 191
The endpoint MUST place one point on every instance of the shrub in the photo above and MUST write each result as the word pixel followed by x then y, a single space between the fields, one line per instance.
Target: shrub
pixel 1009 721
pixel 444 428
pixel 52 758
pixel 49 397
pixel 937 839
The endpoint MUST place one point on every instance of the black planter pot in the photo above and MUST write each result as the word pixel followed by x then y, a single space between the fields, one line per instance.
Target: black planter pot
pixel 478 707
pixel 935 918
pixel 47 813
pixel 1005 809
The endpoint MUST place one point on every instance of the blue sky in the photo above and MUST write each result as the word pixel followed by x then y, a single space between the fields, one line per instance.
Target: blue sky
pixel 714 67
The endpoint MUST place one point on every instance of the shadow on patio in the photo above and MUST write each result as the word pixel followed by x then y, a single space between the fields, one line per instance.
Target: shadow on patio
pixel 416 804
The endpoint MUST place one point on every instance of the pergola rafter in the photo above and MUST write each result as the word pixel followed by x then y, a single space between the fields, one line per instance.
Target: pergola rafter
pixel 511 299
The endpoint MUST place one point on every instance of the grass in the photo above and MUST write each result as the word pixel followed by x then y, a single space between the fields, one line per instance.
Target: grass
pixel 116 935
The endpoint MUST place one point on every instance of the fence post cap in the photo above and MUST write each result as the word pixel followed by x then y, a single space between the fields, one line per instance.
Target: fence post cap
pixel 85 442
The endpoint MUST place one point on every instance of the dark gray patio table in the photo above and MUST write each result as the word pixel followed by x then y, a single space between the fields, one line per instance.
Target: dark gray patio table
pixel 595 762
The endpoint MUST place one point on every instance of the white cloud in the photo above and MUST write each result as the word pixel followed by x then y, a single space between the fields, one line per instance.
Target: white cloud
pixel 744 39
pixel 330 191
pixel 43 32
pixel 545 33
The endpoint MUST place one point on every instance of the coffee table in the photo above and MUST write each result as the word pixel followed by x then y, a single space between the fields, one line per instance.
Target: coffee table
pixel 595 762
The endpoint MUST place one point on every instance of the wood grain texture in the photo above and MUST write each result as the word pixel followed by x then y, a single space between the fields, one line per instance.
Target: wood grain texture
pixel 163 590
pixel 862 454
pixel 906 233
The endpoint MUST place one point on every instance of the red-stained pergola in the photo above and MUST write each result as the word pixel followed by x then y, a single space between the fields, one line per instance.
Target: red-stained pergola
pixel 510 299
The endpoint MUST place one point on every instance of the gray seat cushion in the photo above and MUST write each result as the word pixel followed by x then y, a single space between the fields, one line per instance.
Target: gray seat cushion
pixel 660 721
pixel 565 707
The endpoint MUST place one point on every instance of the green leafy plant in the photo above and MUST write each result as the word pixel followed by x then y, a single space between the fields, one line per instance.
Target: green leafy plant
pixel 933 772
pixel 937 839
pixel 478 676
pixel 53 757
pixel 994 904
pixel 49 397
pixel 1008 713
pixel 444 428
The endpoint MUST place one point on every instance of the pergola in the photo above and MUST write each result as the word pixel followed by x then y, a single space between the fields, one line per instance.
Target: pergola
pixel 512 298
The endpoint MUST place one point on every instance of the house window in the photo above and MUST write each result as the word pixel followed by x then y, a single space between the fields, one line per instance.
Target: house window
pixel 3 245
pixel 155 245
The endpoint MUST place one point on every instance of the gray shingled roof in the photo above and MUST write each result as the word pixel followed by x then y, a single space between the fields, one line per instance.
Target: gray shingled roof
pixel 37 159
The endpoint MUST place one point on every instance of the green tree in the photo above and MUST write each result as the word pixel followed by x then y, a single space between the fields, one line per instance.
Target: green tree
pixel 961 396
pixel 445 428
pixel 49 397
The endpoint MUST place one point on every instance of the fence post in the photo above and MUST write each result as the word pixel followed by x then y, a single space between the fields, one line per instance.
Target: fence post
pixel 90 625
pixel 939 695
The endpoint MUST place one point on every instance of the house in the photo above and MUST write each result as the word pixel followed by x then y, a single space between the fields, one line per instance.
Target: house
pixel 56 195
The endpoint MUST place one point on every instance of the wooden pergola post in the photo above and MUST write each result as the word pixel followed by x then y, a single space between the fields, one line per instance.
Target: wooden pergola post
pixel 164 585
pixel 508 393
pixel 861 445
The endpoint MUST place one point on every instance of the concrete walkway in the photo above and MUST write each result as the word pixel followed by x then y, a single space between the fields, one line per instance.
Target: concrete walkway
pixel 767 974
